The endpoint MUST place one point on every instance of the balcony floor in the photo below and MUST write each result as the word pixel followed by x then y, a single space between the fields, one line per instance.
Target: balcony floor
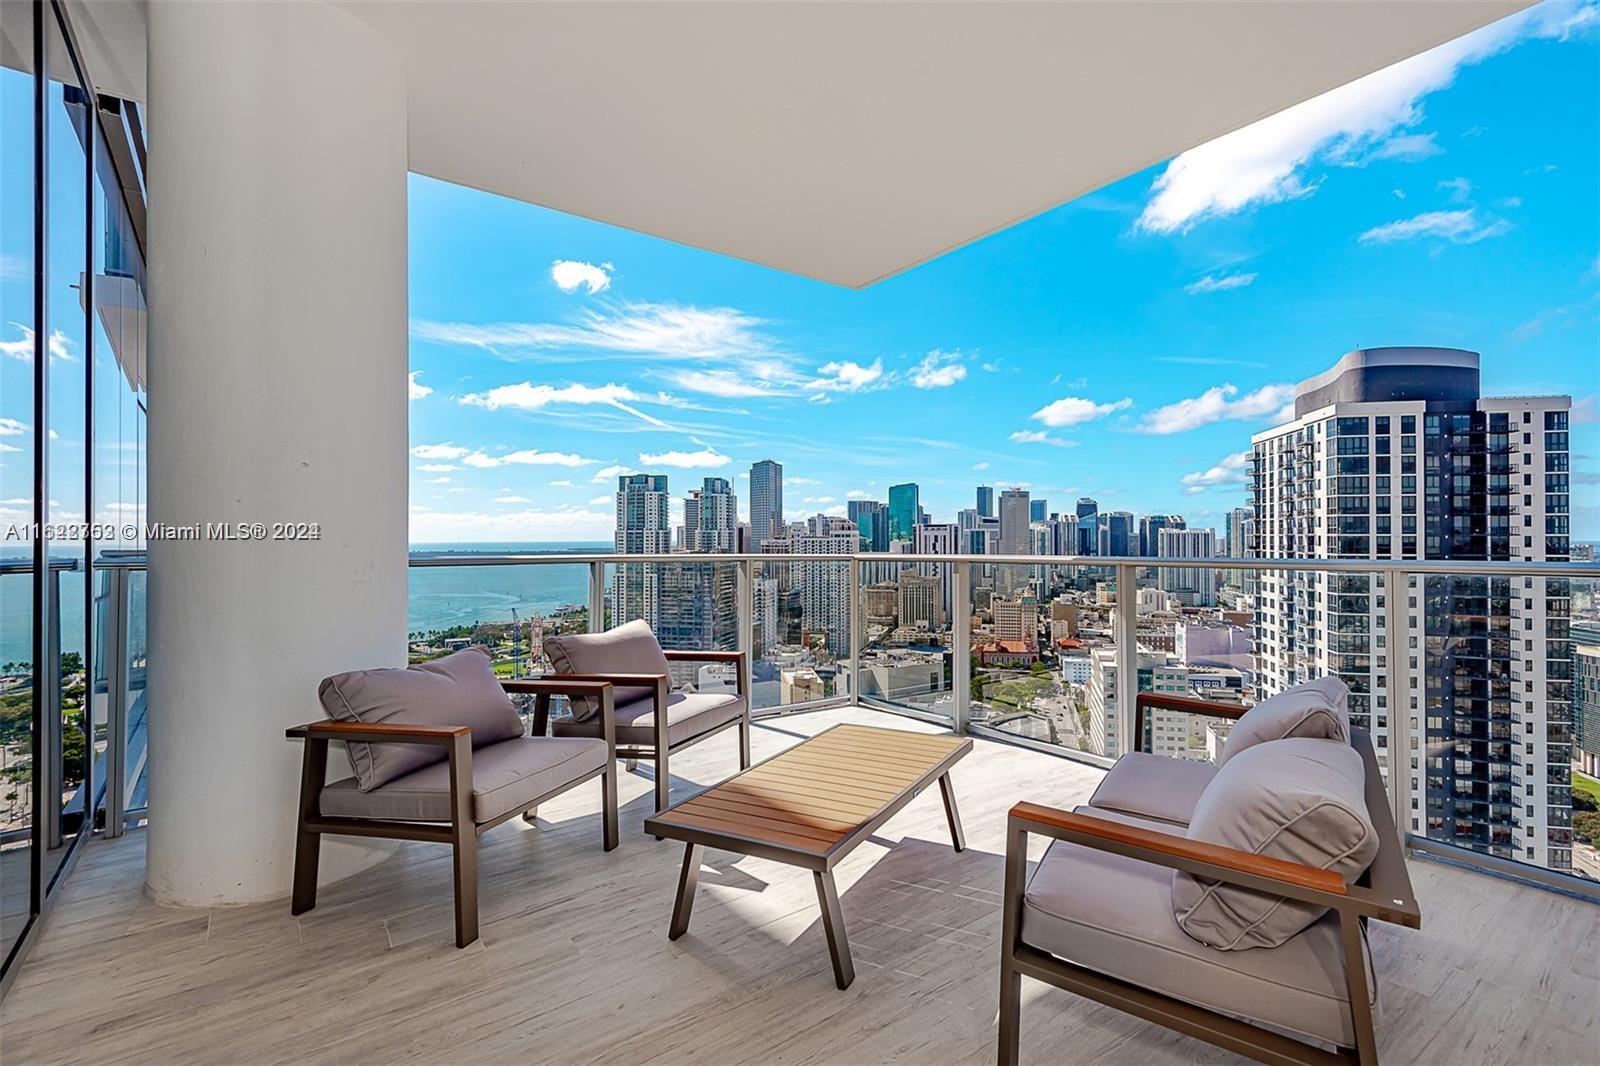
pixel 575 965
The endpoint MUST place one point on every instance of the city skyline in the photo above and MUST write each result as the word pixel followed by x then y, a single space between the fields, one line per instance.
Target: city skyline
pixel 1125 345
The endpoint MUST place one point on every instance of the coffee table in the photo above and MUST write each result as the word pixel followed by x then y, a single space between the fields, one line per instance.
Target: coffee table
pixel 809 807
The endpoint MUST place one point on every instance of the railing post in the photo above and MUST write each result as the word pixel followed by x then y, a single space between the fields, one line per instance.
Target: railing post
pixel 1397 675
pixel 857 643
pixel 961 646
pixel 597 597
pixel 52 772
pixel 115 648
pixel 744 612
pixel 1125 634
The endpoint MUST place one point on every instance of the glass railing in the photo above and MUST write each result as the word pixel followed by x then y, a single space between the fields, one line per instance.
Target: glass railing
pixel 1480 682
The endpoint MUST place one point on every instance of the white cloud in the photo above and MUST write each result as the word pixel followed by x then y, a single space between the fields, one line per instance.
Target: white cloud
pixel 416 389
pixel 447 450
pixel 1460 189
pixel 1039 436
pixel 644 330
pixel 561 523
pixel 512 499
pixel 606 473
pixel 1211 283
pixel 1457 227
pixel 1233 470
pixel 820 499
pixel 445 480
pixel 801 480
pixel 436 468
pixel 846 376
pixel 562 484
pixel 1269 161
pixel 526 457
pixel 938 370
pixel 705 459
pixel 1408 148
pixel 1585 411
pixel 980 466
pixel 22 347
pixel 1216 404
pixel 4 448
pixel 1399 194
pixel 725 383
pixel 1071 410
pixel 526 396
pixel 858 494
pixel 10 427
pixel 837 511
pixel 570 275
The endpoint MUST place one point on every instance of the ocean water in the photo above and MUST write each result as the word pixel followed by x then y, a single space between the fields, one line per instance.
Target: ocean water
pixel 440 596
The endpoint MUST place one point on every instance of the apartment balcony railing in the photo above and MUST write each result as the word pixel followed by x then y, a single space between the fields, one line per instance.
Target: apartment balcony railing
pixel 927 670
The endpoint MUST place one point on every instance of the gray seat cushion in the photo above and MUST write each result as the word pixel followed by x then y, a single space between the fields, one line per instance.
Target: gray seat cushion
pixel 508 776
pixel 1154 786
pixel 1299 799
pixel 627 649
pixel 1319 708
pixel 689 714
pixel 1113 915
pixel 459 689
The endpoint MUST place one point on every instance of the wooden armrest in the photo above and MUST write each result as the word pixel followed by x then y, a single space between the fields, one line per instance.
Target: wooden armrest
pixel 1180 853
pixel 380 732
pixel 1158 701
pixel 1231 711
pixel 555 685
pixel 677 656
pixel 635 680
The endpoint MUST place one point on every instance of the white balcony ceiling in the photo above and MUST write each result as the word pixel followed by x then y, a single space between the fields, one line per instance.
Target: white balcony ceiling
pixel 848 142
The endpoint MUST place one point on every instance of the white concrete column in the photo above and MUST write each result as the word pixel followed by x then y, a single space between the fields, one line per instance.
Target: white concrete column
pixel 277 280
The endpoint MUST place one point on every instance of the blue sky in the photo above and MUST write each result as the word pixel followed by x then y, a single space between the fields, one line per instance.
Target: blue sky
pixel 1123 346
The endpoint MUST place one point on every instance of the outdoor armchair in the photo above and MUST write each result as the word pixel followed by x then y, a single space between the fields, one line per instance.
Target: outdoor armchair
pixel 652 721
pixel 443 789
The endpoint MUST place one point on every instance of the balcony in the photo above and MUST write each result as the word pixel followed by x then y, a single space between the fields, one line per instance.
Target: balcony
pixel 575 962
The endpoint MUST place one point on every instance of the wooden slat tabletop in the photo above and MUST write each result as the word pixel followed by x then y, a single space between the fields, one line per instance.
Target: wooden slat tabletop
pixel 818 792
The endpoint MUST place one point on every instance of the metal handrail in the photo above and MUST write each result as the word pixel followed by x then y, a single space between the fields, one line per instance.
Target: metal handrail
pixel 1425 567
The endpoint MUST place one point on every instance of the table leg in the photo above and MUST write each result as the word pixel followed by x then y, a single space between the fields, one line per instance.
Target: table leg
pixel 844 970
pixel 688 880
pixel 957 838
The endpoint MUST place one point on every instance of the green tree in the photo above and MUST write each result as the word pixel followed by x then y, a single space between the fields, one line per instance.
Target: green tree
pixel 1586 826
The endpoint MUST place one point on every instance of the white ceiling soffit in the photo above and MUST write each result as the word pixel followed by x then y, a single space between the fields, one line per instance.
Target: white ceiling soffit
pixel 848 142
pixel 844 142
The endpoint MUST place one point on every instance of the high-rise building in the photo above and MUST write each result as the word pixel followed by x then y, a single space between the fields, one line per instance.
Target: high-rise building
pixel 1150 527
pixel 1237 532
pixel 1194 586
pixel 710 522
pixel 824 587
pixel 1393 453
pixel 1038 510
pixel 766 501
pixel 1088 539
pixel 937 538
pixel 921 600
pixel 697 605
pixel 1014 537
pixel 643 513
pixel 1115 533
pixel 872 520
pixel 905 508
pixel 1016 619
pixel 1586 698
pixel 986 501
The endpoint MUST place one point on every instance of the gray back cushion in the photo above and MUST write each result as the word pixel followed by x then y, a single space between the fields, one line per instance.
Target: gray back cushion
pixel 627 649
pixel 459 689
pixel 1299 799
pixel 1319 708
